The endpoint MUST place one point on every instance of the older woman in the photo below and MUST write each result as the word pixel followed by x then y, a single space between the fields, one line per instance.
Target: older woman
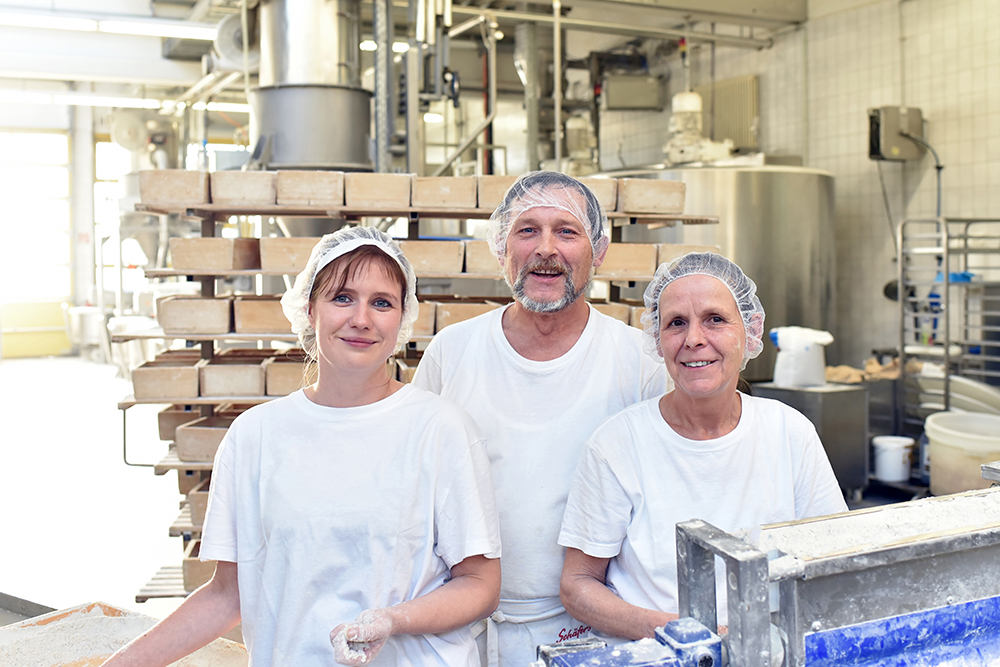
pixel 704 450
pixel 357 510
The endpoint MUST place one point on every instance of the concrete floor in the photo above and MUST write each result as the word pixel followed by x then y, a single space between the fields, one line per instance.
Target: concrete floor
pixel 79 525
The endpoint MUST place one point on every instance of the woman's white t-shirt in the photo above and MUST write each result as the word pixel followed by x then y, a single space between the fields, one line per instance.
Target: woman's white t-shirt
pixel 331 511
pixel 638 479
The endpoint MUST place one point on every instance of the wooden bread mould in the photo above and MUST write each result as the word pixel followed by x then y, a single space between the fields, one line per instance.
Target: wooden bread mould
pixel 214 254
pixel 173 187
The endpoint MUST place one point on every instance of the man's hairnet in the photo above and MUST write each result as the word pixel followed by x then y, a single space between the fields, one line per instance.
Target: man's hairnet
pixel 548 189
pixel 743 289
pixel 295 302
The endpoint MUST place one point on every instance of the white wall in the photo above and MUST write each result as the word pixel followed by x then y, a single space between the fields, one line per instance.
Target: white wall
pixel 816 84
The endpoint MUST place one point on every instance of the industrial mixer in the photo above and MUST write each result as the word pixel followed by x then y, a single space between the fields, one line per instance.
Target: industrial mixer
pixel 908 584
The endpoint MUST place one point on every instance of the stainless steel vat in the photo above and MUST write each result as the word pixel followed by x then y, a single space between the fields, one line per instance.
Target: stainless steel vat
pixel 310 102
pixel 777 224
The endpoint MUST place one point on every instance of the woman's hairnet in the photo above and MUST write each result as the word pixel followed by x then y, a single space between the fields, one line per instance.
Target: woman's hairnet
pixel 295 302
pixel 743 289
pixel 548 189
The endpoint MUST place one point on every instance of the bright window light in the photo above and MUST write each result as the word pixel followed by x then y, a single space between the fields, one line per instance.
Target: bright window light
pixel 431 117
pixel 48 21
pixel 231 107
pixel 160 28
pixel 106 101
pixel 368 45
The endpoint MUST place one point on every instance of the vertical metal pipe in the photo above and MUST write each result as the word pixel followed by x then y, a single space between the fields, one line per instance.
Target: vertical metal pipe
pixel 414 122
pixel 382 19
pixel 557 76
pixel 529 32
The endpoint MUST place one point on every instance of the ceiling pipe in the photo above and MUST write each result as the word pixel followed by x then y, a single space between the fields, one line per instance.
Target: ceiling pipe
pixel 621 28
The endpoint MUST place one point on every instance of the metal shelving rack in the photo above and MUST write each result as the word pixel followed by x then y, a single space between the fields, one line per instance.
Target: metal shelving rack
pixel 949 307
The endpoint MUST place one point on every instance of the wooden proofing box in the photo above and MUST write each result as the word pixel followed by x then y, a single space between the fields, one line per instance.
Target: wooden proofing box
pixel 491 190
pixel 214 254
pixel 284 375
pixel 199 440
pixel 244 188
pixel 405 370
pixel 458 311
pixel 260 315
pixel 166 379
pixel 605 189
pixel 232 376
pixel 443 191
pixel 629 260
pixel 173 187
pixel 195 315
pixel 196 572
pixel 619 311
pixel 188 479
pixel 377 191
pixel 635 319
pixel 168 419
pixel 286 254
pixel 479 259
pixel 197 499
pixel 426 316
pixel 434 257
pixel 646 195
pixel 668 252
pixel 310 188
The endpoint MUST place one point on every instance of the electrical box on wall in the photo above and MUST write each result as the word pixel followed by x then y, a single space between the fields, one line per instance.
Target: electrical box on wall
pixel 885 138
pixel 632 92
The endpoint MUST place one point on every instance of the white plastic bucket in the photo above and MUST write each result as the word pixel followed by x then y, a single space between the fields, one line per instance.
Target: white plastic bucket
pixel 960 442
pixel 893 457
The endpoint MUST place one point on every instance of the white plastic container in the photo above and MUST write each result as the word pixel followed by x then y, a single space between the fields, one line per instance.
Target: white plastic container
pixel 893 457
pixel 960 442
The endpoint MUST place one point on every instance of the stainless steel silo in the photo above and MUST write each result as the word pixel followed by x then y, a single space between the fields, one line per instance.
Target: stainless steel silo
pixel 310 101
pixel 777 224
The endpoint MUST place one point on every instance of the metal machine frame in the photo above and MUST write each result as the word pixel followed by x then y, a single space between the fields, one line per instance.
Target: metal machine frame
pixel 941 568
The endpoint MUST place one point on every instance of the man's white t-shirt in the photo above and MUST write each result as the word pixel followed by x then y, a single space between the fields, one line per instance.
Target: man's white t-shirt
pixel 536 417
pixel 638 479
pixel 331 511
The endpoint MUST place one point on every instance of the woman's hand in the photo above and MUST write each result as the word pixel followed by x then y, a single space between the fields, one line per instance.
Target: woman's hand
pixel 471 594
pixel 358 642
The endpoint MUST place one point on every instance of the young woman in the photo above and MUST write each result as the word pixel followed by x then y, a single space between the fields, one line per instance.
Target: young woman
pixel 703 451
pixel 352 520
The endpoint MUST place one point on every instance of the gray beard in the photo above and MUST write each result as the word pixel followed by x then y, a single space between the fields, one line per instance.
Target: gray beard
pixel 570 294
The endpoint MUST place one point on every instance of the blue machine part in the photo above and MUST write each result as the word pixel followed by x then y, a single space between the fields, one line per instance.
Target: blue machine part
pixel 963 634
pixel 681 643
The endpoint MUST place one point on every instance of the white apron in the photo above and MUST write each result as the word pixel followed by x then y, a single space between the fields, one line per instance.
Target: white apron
pixel 518 627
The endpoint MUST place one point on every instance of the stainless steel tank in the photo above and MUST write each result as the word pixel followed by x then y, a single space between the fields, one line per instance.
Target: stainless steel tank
pixel 310 101
pixel 777 224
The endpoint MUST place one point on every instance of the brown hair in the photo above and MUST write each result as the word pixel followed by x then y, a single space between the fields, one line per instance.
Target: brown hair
pixel 333 276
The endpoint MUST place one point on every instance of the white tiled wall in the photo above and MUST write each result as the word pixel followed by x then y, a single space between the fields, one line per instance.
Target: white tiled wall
pixel 816 84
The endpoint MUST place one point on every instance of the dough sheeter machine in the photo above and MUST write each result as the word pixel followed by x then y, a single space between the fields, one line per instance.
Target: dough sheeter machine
pixel 909 585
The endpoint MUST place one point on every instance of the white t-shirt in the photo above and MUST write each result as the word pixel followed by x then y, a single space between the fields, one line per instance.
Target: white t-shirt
pixel 638 479
pixel 331 511
pixel 537 416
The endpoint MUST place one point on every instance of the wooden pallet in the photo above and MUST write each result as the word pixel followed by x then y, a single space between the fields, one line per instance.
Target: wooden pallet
pixel 168 582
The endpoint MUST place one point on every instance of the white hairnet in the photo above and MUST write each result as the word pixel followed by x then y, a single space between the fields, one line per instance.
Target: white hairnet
pixel 547 189
pixel 743 289
pixel 295 302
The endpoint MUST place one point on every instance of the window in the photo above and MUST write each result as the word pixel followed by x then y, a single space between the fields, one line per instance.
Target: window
pixel 35 217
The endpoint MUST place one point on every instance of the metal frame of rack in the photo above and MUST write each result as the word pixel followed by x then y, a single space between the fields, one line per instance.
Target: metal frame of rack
pixel 955 323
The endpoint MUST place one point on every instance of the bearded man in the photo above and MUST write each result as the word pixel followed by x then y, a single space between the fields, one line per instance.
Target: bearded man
pixel 539 376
